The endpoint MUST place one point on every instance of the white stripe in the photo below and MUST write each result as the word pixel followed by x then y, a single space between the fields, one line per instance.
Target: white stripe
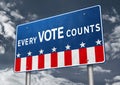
pixel 60 59
pixel 91 55
pixel 23 64
pixel 75 57
pixel 35 63
pixel 47 61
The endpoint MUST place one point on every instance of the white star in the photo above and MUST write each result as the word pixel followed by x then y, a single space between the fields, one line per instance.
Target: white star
pixel 67 47
pixel 41 51
pixel 98 42
pixel 82 44
pixel 18 55
pixel 54 49
pixel 29 53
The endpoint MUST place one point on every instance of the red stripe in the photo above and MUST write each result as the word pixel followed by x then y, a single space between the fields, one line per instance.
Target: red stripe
pixel 54 60
pixel 29 63
pixel 99 53
pixel 68 57
pixel 83 55
pixel 41 61
pixel 17 64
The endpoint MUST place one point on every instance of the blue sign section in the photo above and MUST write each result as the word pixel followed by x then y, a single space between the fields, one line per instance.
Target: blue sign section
pixel 73 30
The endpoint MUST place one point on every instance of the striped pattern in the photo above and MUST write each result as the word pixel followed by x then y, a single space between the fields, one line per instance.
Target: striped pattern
pixel 60 59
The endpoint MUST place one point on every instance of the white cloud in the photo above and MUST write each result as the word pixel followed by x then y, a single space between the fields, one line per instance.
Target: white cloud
pixel 9 5
pixel 9 30
pixel 31 17
pixel 116 78
pixel 101 70
pixel 82 67
pixel 6 29
pixel 116 31
pixel 2 50
pixel 11 78
pixel 16 14
pixel 8 17
pixel 114 81
pixel 41 78
pixel 1 30
pixel 50 80
pixel 95 69
pixel 112 18
pixel 3 17
pixel 6 22
pixel 3 6
pixel 113 44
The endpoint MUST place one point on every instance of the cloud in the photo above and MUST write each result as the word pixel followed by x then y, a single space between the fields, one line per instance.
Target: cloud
pixel 11 78
pixel 101 70
pixel 114 81
pixel 51 80
pixel 3 17
pixel 2 49
pixel 9 15
pixel 3 6
pixel 16 15
pixel 9 31
pixel 97 69
pixel 31 17
pixel 113 18
pixel 41 78
pixel 113 44
pixel 6 29
pixel 6 22
pixel 116 78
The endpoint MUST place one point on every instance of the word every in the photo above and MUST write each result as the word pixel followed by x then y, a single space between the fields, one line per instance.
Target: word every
pixel 27 41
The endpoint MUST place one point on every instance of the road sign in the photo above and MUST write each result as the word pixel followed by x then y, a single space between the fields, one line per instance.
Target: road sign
pixel 69 39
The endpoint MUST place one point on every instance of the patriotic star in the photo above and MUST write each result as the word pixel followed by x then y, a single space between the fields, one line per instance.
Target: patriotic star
pixel 82 44
pixel 98 42
pixel 18 55
pixel 54 49
pixel 41 51
pixel 67 47
pixel 29 53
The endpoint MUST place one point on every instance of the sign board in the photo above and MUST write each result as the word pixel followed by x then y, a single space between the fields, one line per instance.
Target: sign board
pixel 69 39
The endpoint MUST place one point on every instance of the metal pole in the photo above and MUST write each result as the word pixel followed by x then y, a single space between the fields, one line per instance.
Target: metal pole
pixel 28 78
pixel 90 74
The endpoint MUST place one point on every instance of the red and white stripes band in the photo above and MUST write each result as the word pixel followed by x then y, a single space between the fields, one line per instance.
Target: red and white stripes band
pixel 66 58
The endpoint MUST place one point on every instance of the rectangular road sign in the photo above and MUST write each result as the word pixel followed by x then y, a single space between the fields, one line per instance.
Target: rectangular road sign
pixel 69 39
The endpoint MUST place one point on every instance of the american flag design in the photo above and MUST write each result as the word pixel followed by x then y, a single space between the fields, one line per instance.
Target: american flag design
pixel 65 40
pixel 90 55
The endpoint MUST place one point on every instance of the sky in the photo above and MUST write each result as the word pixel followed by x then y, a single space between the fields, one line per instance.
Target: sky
pixel 15 12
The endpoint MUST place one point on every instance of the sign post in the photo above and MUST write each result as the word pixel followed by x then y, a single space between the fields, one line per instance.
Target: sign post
pixel 28 78
pixel 90 74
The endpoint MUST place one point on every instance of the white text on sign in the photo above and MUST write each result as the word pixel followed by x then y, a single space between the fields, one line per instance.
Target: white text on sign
pixel 58 33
